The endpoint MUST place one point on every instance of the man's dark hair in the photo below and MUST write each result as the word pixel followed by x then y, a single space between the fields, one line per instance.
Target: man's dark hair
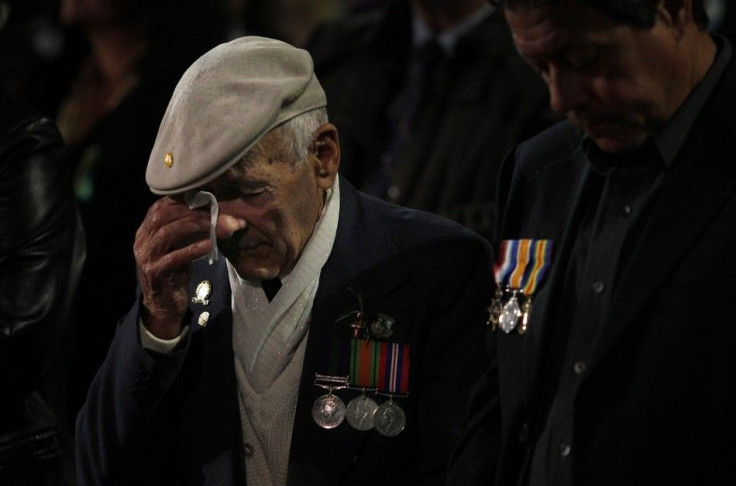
pixel 638 12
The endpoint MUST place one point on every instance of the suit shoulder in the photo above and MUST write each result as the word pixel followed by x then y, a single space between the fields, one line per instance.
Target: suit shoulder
pixel 556 143
pixel 409 227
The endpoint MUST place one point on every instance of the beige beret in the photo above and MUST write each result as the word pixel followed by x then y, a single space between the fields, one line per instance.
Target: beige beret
pixel 224 103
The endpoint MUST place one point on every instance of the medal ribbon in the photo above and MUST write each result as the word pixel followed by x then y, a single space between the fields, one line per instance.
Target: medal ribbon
pixel 364 361
pixel 381 365
pixel 394 368
pixel 522 264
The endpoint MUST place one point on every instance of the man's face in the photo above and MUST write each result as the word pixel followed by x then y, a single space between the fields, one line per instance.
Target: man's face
pixel 281 204
pixel 617 82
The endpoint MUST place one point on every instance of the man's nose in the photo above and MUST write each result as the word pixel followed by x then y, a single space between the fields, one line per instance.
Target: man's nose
pixel 227 225
pixel 567 90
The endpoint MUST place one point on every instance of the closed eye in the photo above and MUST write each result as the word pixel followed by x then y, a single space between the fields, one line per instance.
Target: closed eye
pixel 582 57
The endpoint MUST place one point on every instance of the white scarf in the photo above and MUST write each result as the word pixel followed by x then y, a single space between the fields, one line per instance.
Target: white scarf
pixel 269 342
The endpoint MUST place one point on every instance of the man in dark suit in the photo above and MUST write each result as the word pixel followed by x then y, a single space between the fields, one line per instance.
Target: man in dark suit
pixel 240 369
pixel 612 326
pixel 429 96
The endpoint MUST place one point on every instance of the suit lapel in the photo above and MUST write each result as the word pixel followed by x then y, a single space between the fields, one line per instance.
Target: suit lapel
pixel 357 263
pixel 211 436
pixel 547 300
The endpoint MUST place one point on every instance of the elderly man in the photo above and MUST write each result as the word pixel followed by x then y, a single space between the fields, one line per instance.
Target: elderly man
pixel 615 358
pixel 336 341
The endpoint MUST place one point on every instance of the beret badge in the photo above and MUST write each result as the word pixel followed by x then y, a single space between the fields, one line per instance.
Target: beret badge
pixel 169 159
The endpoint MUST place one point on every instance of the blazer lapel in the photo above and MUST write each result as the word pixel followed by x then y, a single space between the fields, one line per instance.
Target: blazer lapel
pixel 545 303
pixel 211 438
pixel 366 263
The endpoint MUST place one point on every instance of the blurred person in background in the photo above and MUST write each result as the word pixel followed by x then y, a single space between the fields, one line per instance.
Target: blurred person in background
pixel 109 116
pixel 429 96
pixel 41 255
pixel 292 21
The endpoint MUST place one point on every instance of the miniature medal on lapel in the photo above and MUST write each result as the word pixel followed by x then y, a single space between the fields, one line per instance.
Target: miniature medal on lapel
pixel 519 271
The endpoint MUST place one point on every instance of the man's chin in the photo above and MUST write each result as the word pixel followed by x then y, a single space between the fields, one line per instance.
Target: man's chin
pixel 611 144
pixel 257 274
pixel 250 268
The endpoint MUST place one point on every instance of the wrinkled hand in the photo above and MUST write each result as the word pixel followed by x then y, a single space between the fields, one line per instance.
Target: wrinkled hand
pixel 170 238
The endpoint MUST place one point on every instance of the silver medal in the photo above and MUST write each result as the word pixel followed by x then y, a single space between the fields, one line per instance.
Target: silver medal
pixel 510 314
pixel 360 412
pixel 328 411
pixel 389 420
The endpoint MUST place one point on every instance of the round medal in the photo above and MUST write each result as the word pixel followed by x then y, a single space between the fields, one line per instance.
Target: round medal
pixel 389 420
pixel 360 412
pixel 328 411
pixel 509 315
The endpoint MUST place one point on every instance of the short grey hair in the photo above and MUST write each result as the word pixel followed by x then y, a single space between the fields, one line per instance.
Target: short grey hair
pixel 297 135
pixel 296 138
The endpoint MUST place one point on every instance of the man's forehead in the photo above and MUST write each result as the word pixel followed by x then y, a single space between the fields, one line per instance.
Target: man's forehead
pixel 544 29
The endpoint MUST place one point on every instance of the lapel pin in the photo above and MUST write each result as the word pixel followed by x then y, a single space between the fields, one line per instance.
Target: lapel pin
pixel 383 327
pixel 202 293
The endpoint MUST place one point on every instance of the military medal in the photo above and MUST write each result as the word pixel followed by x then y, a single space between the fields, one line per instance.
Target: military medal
pixel 510 313
pixel 329 410
pixel 519 270
pixel 494 311
pixel 383 367
pixel 389 419
pixel 360 412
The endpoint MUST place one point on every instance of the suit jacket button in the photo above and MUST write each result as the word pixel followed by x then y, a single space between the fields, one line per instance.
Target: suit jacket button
pixel 248 449
pixel 565 450
pixel 579 367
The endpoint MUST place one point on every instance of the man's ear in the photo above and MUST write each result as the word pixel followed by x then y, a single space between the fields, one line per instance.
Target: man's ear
pixel 678 15
pixel 327 153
